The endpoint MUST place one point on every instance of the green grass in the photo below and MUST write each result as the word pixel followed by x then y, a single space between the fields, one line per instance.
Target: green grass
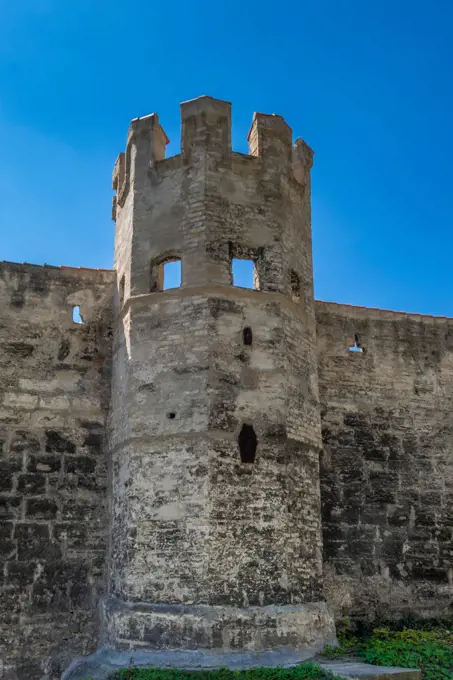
pixel 429 650
pixel 306 671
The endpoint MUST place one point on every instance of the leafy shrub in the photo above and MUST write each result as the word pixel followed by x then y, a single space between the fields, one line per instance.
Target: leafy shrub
pixel 430 650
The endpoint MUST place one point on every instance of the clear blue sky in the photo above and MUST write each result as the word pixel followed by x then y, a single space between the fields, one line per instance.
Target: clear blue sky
pixel 367 84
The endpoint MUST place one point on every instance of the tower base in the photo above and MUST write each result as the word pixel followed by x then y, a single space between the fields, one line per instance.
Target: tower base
pixel 203 636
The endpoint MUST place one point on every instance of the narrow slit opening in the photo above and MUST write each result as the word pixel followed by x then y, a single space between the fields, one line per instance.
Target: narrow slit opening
pixel 295 286
pixel 121 291
pixel 248 442
pixel 247 336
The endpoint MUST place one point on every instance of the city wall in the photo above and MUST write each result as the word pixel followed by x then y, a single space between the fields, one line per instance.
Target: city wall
pixel 53 469
pixel 387 463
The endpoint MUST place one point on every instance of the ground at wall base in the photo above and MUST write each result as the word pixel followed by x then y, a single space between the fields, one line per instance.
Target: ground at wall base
pixel 105 664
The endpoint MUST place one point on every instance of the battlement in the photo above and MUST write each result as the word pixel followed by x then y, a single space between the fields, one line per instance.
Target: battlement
pixel 46 291
pixel 206 138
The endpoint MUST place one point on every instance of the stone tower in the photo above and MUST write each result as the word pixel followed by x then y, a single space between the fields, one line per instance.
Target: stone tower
pixel 214 430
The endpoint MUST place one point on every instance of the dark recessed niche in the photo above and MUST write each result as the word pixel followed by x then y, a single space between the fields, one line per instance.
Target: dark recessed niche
pixel 121 291
pixel 248 442
pixel 295 286
pixel 247 336
pixel 171 415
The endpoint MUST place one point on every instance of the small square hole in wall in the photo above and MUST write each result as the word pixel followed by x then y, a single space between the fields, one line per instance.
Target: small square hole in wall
pixel 244 273
pixel 356 347
pixel 171 274
pixel 76 315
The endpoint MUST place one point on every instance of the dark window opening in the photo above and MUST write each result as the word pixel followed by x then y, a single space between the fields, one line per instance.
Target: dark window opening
pixel 248 442
pixel 171 415
pixel 121 291
pixel 244 273
pixel 248 337
pixel 356 347
pixel 295 286
pixel 76 315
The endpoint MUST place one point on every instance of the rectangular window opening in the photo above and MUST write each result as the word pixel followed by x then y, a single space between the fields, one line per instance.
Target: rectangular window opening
pixel 245 274
pixel 171 274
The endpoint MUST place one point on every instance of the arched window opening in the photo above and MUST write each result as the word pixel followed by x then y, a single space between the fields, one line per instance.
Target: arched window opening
pixel 76 315
pixel 247 336
pixel 244 273
pixel 295 286
pixel 166 274
pixel 356 347
pixel 248 442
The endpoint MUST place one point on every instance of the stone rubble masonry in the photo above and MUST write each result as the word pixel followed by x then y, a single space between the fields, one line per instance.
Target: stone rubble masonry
pixel 55 390
pixel 128 520
pixel 387 463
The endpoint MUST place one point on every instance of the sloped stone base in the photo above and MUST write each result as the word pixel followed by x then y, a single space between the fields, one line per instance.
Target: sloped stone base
pixel 203 636
pixel 107 663
pixel 223 628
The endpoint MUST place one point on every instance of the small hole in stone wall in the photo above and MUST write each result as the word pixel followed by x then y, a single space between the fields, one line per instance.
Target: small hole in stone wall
pixel 76 315
pixel 248 442
pixel 295 286
pixel 356 347
pixel 248 336
pixel 171 415
pixel 244 273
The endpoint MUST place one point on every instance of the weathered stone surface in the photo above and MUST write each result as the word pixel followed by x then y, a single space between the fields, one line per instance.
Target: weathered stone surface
pixel 222 628
pixel 200 517
pixel 387 468
pixel 50 579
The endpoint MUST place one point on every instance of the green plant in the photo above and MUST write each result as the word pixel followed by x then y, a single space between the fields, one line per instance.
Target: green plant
pixel 430 650
pixel 306 671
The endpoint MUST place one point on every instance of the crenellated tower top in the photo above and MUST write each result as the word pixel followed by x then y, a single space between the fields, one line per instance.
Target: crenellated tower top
pixel 216 204
pixel 206 133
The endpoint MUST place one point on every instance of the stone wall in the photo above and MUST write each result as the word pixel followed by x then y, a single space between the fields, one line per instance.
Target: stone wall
pixel 387 466
pixel 54 395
